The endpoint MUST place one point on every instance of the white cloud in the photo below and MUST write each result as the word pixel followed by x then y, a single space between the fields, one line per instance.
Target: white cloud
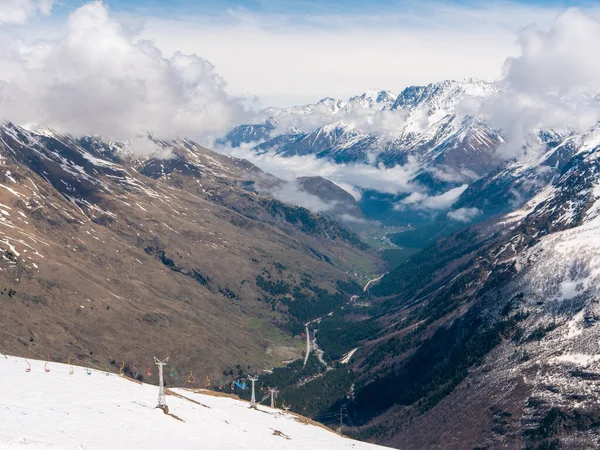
pixel 142 147
pixel 368 120
pixel 20 11
pixel 547 85
pixel 350 219
pixel 290 192
pixel 421 200
pixel 101 78
pixel 560 60
pixel 451 175
pixel 353 178
pixel 464 215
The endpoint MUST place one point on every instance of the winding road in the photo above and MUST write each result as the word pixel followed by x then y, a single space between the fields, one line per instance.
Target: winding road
pixel 307 324
pixel 373 281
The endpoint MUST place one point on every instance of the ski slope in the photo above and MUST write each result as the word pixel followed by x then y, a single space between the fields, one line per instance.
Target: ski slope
pixel 55 410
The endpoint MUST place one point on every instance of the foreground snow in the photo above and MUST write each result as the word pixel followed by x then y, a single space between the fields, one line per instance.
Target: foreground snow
pixel 56 410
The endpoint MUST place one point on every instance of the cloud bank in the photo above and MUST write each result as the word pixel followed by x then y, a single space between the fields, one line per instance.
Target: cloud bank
pixel 101 78
pixel 354 178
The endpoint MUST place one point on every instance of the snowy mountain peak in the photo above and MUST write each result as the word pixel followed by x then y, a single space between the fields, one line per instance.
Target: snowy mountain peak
pixel 373 97
pixel 332 104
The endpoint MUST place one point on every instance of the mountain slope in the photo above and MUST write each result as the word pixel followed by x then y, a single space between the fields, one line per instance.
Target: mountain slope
pixel 488 338
pixel 55 410
pixel 118 257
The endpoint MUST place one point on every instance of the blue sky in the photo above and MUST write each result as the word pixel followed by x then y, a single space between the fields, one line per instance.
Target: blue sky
pixel 304 6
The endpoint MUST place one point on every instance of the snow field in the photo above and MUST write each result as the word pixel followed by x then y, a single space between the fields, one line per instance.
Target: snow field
pixel 56 410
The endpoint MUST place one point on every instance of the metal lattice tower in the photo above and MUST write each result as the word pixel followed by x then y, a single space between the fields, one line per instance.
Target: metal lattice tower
pixel 162 403
pixel 253 398
pixel 273 393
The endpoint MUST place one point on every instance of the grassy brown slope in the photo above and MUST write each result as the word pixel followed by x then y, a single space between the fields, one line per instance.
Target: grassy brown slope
pixel 168 268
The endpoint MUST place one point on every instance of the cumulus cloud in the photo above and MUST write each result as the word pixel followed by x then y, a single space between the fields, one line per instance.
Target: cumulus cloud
pixel 20 11
pixel 464 215
pixel 550 85
pixel 101 78
pixel 421 200
pixel 560 60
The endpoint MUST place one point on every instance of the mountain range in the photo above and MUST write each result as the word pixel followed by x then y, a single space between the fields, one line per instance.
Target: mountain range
pixel 450 155
pixel 485 338
pixel 423 122
pixel 488 337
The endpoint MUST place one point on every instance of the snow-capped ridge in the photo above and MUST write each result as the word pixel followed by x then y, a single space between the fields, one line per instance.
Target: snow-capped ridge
pixel 373 97
pixel 378 126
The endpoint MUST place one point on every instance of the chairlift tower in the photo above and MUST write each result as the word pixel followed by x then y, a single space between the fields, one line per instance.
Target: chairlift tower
pixel 273 392
pixel 162 403
pixel 253 398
